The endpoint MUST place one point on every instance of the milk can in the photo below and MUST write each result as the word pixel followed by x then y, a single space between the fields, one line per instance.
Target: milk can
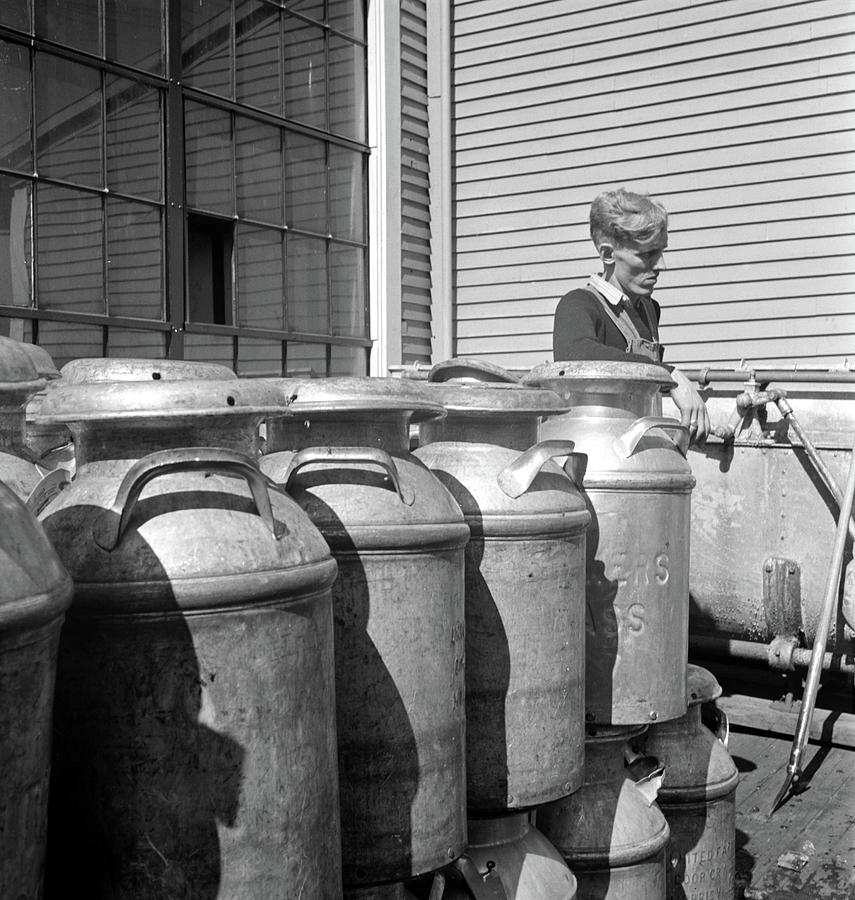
pixel 525 589
pixel 398 537
pixel 508 858
pixel 638 484
pixel 612 836
pixel 35 591
pixel 697 797
pixel 20 380
pixel 195 726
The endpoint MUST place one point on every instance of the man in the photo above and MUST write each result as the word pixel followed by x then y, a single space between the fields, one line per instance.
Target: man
pixel 614 316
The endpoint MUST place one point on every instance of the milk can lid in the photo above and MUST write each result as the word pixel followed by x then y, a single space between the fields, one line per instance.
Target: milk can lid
pixel 91 369
pixel 352 397
pixel 130 400
pixel 18 371
pixel 603 376
pixel 701 685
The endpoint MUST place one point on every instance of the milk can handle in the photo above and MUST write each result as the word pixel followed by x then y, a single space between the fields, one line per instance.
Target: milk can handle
pixel 111 524
pixel 374 455
pixel 516 478
pixel 625 445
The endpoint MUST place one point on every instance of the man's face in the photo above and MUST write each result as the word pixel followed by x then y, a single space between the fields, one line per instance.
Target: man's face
pixel 636 267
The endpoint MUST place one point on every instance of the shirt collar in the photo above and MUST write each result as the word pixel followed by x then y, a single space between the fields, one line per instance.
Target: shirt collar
pixel 614 295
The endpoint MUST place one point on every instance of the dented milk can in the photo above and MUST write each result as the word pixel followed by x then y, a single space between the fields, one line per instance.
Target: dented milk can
pixel 20 380
pixel 697 797
pixel 525 588
pixel 638 485
pixel 611 834
pixel 35 591
pixel 398 537
pixel 195 728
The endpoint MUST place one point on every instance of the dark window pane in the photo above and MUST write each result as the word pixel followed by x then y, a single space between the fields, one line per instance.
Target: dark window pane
pixel 347 209
pixel 134 33
pixel 305 73
pixel 258 171
pixel 256 357
pixel 140 344
pixel 348 360
pixel 73 23
pixel 15 14
pixel 69 250
pixel 307 303
pixel 213 348
pixel 16 147
pixel 348 16
pixel 259 278
pixel 305 183
pixel 65 341
pixel 347 89
pixel 305 359
pixel 134 260
pixel 257 56
pixel 17 329
pixel 314 9
pixel 16 252
pixel 208 149
pixel 134 161
pixel 347 291
pixel 68 120
pixel 209 263
pixel 206 45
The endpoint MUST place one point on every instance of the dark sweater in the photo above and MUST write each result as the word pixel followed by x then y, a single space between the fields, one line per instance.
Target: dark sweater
pixel 583 330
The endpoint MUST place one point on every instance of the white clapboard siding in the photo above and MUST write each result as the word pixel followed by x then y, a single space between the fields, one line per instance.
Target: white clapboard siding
pixel 415 187
pixel 737 114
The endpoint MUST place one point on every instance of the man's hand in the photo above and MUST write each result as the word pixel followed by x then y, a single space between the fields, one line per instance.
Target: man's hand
pixel 693 413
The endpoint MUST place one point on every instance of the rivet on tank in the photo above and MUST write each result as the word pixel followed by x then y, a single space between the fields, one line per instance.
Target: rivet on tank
pixel 398 536
pixel 35 592
pixel 195 749
pixel 697 797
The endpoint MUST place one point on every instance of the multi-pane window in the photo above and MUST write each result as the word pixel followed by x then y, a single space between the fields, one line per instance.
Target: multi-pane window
pixel 186 178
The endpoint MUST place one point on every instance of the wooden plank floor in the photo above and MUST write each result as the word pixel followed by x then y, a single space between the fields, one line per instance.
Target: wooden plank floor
pixel 806 849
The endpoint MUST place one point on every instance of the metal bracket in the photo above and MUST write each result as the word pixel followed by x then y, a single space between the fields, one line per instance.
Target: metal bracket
pixel 782 597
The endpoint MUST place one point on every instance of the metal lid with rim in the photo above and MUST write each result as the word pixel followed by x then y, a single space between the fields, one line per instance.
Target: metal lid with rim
pixel 19 375
pixel 103 401
pixel 97 369
pixel 599 376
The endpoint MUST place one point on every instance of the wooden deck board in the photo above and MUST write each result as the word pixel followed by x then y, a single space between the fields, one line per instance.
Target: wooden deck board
pixel 813 832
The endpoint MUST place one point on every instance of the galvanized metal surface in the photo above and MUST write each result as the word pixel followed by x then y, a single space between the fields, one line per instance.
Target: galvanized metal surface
pixel 760 499
pixel 611 837
pixel 398 536
pixel 195 746
pixel 35 592
pixel 525 569
pixel 697 798
pixel 638 541
pixel 509 859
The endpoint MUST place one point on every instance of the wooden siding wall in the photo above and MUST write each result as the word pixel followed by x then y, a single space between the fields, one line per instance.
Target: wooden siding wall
pixel 415 186
pixel 737 114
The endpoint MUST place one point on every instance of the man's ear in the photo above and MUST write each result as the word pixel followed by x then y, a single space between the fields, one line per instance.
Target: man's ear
pixel 607 254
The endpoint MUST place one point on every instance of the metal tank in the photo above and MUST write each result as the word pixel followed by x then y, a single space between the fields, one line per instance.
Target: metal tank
pixel 195 728
pixel 20 380
pixel 398 537
pixel 612 836
pixel 697 798
pixel 525 587
pixel 35 592
pixel 638 485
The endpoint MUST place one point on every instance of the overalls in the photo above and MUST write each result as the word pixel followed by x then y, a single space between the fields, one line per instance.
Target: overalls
pixel 635 343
